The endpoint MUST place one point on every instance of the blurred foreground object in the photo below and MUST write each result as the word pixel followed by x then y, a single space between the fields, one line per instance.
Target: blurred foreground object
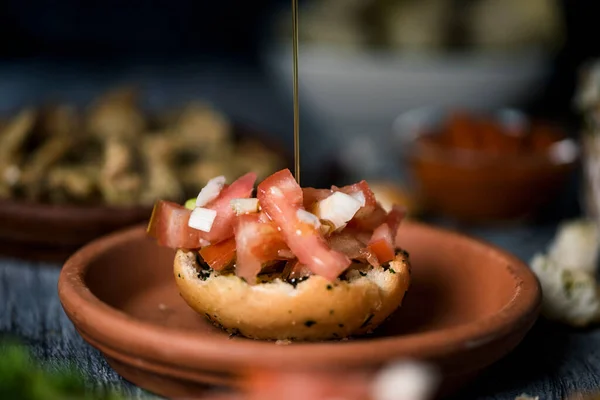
pixel 116 154
pixel 567 273
pixel 588 103
pixel 407 380
pixel 484 167
pixel 23 379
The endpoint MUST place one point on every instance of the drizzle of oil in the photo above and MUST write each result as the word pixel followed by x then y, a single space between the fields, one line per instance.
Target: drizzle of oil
pixel 295 77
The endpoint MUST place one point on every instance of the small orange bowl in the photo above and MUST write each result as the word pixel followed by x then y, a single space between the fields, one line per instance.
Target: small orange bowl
pixel 477 177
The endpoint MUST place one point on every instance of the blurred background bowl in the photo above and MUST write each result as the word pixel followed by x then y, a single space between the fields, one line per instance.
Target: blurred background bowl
pixel 472 185
pixel 374 85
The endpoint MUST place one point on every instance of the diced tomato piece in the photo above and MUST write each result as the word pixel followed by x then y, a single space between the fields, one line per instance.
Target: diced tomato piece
pixel 347 244
pixel 290 189
pixel 219 255
pixel 274 195
pixel 247 264
pixel 270 244
pixel 294 269
pixel 222 227
pixel 368 218
pixel 312 195
pixel 368 255
pixel 169 226
pixel 381 243
pixel 394 218
pixel 263 217
pixel 256 243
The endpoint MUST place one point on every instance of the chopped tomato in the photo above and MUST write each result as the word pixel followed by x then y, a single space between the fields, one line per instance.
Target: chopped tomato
pixel 347 244
pixel 394 218
pixel 368 255
pixel 274 195
pixel 381 244
pixel 169 226
pixel 256 243
pixel 247 264
pixel 290 189
pixel 263 217
pixel 270 244
pixel 219 255
pixel 222 227
pixel 312 195
pixel 368 218
pixel 294 269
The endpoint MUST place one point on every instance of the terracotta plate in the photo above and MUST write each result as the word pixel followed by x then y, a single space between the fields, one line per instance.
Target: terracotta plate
pixel 469 305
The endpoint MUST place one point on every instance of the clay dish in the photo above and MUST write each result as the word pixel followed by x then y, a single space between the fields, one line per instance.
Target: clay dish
pixel 46 232
pixel 469 305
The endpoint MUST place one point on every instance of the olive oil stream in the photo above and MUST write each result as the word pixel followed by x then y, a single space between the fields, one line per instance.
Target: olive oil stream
pixel 295 78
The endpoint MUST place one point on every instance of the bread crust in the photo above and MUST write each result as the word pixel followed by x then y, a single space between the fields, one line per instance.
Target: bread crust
pixel 314 310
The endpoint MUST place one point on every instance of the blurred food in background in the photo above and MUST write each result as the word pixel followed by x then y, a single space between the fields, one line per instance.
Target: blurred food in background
pixel 402 380
pixel 113 153
pixel 362 62
pixel 480 167
pixel 567 273
pixel 588 103
pixel 430 25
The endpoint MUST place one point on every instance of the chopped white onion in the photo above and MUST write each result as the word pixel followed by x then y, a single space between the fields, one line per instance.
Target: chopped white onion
pixel 360 196
pixel 308 218
pixel 244 206
pixel 202 219
pixel 339 208
pixel 211 191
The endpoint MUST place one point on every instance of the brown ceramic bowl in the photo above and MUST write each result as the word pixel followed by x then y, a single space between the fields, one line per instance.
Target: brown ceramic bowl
pixel 52 233
pixel 474 187
pixel 469 305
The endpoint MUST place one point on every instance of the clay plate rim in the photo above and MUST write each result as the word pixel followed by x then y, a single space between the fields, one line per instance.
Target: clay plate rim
pixel 189 350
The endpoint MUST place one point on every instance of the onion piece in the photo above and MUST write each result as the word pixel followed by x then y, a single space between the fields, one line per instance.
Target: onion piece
pixel 360 196
pixel 202 219
pixel 308 218
pixel 244 206
pixel 211 191
pixel 338 209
